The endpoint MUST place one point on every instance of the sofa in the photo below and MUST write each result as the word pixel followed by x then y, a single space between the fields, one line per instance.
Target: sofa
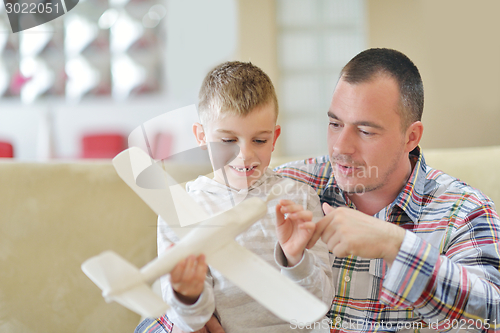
pixel 55 215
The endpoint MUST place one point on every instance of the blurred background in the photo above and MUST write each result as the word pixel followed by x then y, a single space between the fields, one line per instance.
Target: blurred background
pixel 77 86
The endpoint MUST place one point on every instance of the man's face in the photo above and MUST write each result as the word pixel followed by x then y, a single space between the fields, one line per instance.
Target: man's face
pixel 251 137
pixel 365 141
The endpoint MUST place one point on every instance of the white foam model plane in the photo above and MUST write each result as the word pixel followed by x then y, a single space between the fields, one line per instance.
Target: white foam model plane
pixel 124 283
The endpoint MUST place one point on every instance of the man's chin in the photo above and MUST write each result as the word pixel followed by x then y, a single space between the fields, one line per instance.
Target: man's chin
pixel 358 188
pixel 352 188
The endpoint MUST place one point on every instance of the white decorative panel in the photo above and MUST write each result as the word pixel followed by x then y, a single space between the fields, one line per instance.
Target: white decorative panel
pixel 300 92
pixel 297 12
pixel 340 47
pixel 305 136
pixel 316 38
pixel 298 50
pixel 347 12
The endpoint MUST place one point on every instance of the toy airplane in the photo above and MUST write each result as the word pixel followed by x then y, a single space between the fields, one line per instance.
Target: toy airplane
pixel 124 283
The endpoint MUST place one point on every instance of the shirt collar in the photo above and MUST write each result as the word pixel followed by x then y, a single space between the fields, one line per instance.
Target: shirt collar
pixel 410 197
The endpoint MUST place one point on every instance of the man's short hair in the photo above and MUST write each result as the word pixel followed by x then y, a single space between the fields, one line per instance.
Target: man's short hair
pixel 234 88
pixel 380 61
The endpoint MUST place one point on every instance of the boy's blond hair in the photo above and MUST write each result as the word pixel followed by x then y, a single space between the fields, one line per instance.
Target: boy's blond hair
pixel 234 88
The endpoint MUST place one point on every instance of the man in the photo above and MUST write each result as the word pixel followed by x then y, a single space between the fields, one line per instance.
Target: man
pixel 413 246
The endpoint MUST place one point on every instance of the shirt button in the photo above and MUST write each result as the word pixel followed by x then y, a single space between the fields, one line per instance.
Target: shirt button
pixel 338 319
pixel 347 278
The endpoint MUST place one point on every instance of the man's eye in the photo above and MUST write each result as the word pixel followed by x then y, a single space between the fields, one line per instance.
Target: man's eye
pixel 334 125
pixel 365 133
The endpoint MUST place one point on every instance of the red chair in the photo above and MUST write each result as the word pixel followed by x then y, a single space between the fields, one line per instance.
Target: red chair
pixel 102 145
pixel 162 146
pixel 6 149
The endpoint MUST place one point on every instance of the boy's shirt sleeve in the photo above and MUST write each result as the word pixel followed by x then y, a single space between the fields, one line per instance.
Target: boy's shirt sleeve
pixel 186 317
pixel 314 271
pixel 190 317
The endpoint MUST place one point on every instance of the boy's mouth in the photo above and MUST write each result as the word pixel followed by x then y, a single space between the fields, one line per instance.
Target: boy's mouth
pixel 243 169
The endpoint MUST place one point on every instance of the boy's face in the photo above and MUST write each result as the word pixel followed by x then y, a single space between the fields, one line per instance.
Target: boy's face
pixel 254 136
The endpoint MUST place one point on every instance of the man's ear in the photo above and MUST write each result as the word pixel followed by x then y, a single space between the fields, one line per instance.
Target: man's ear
pixel 200 136
pixel 277 132
pixel 413 135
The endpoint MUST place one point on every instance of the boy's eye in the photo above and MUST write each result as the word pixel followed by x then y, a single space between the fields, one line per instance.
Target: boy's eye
pixel 260 141
pixel 228 140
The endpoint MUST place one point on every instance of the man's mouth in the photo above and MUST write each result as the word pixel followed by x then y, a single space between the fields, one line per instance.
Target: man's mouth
pixel 346 169
pixel 346 163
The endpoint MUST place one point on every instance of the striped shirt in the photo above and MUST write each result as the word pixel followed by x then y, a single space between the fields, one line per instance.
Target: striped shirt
pixel 154 325
pixel 446 274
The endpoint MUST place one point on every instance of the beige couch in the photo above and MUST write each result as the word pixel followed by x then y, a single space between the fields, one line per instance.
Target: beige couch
pixel 53 216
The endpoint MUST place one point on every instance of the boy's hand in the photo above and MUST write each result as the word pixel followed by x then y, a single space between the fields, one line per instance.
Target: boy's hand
pixel 295 231
pixel 188 278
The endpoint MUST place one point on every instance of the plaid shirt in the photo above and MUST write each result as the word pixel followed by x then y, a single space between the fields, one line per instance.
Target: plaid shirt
pixel 157 325
pixel 446 275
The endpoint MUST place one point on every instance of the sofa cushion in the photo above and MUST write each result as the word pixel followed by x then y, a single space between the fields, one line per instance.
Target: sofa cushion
pixel 53 217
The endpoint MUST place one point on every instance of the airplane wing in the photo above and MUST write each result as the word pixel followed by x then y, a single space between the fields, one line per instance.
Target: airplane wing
pixel 134 166
pixel 121 281
pixel 143 300
pixel 257 278
pixel 253 275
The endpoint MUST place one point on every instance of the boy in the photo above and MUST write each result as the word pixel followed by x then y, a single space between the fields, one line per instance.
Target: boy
pixel 238 109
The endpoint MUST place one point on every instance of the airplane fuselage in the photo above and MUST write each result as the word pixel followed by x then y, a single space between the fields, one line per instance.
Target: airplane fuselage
pixel 205 238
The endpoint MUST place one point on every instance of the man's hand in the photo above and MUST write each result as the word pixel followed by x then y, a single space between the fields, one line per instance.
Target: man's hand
pixel 212 326
pixel 350 232
pixel 295 231
pixel 188 278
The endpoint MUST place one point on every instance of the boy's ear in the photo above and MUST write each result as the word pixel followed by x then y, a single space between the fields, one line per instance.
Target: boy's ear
pixel 200 136
pixel 277 132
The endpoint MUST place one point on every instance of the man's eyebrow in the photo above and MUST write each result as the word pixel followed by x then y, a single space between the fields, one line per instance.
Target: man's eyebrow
pixel 358 123
pixel 332 115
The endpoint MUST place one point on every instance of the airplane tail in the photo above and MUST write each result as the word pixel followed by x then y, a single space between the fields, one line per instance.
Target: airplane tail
pixel 122 282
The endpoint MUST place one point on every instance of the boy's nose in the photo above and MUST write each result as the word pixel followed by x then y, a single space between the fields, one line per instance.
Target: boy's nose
pixel 246 151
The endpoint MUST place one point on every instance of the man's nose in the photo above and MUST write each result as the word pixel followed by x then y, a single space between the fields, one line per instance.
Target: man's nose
pixel 345 143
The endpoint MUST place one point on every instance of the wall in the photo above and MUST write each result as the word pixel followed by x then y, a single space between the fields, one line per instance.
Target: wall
pixel 302 45
pixel 257 40
pixel 257 35
pixel 199 35
pixel 455 44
